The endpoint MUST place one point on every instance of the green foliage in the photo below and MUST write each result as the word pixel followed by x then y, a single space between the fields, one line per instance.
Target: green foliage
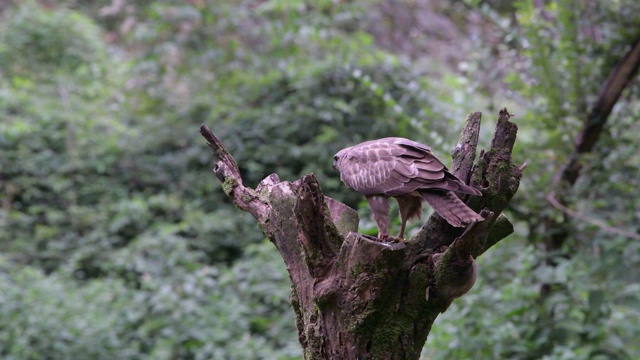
pixel 40 317
pixel 566 51
pixel 179 309
pixel 107 203
pixel 581 320
pixel 36 40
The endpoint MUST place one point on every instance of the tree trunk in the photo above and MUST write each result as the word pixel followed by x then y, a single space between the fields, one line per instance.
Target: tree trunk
pixel 354 296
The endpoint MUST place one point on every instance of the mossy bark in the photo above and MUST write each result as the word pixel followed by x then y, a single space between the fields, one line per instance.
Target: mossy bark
pixel 354 296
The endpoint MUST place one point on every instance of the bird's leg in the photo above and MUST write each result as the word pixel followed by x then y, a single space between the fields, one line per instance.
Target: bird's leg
pixel 410 207
pixel 404 224
pixel 380 210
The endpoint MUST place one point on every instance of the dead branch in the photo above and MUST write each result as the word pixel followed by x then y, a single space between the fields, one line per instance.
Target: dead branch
pixel 355 297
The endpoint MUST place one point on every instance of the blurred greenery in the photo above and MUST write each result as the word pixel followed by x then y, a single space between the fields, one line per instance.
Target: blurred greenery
pixel 117 242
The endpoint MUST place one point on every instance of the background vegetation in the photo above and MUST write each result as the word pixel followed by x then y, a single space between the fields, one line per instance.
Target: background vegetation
pixel 116 242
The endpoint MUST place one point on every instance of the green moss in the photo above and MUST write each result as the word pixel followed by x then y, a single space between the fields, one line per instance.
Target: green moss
pixel 359 321
pixel 418 276
pixel 228 185
pixel 314 336
pixel 249 195
pixel 391 329
pixel 379 324
pixel 356 270
pixel 442 275
pixel 382 330
pixel 500 230
pixel 347 223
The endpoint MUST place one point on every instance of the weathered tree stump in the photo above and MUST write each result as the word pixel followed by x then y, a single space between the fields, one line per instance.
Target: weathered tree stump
pixel 358 298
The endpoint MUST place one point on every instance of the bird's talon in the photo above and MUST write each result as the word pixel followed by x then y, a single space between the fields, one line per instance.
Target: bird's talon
pixel 395 239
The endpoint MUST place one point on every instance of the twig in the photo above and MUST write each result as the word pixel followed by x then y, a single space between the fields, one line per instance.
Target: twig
pixel 599 223
pixel 592 127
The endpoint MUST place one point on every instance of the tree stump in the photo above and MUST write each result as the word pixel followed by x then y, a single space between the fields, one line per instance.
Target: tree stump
pixel 356 297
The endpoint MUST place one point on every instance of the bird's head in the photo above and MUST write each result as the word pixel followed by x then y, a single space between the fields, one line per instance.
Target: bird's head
pixel 336 159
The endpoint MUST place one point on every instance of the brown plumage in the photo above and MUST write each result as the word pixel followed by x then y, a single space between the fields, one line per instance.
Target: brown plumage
pixel 407 170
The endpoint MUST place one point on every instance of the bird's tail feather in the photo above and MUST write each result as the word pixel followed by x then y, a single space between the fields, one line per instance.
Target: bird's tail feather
pixel 451 208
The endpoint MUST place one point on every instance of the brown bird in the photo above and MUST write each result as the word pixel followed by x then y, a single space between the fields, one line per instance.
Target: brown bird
pixel 407 170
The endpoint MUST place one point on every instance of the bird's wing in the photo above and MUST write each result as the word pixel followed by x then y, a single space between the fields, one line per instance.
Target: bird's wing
pixel 433 174
pixel 390 166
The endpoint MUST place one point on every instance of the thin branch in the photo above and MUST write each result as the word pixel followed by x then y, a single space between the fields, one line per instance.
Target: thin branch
pixel 594 123
pixel 599 223
pixel 221 153
pixel 228 173
pixel 593 126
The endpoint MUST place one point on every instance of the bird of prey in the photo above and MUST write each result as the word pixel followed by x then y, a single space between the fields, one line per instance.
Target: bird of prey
pixel 407 170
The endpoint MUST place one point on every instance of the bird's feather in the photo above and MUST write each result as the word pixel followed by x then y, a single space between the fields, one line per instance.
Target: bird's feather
pixel 399 167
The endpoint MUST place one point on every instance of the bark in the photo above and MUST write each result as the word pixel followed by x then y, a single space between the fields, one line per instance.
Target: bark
pixel 354 296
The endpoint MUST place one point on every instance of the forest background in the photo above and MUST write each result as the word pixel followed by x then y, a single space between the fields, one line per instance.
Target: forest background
pixel 117 242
